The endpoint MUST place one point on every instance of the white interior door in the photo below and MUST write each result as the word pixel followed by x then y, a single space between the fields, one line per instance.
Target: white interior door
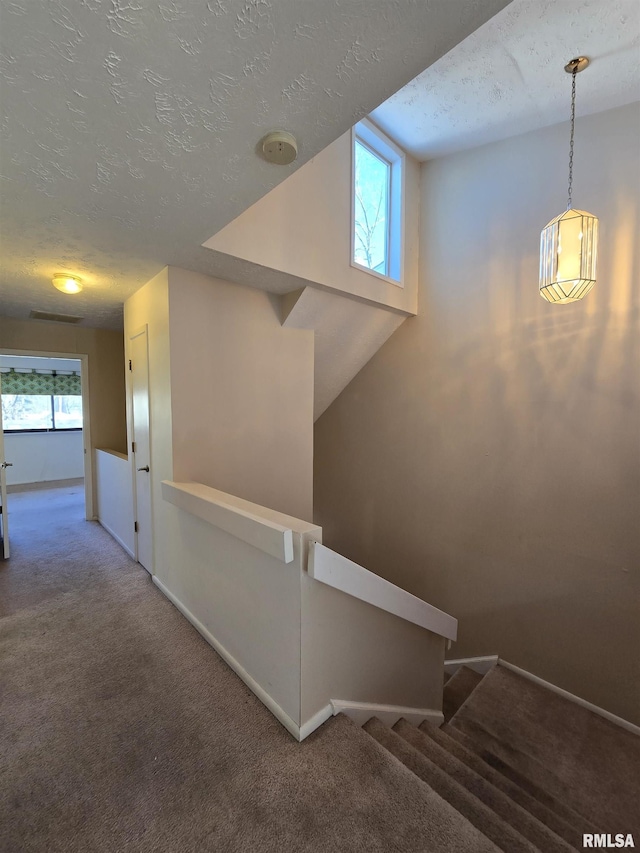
pixel 4 506
pixel 139 367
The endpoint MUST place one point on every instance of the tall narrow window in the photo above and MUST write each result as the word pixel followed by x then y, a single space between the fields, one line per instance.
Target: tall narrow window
pixel 377 202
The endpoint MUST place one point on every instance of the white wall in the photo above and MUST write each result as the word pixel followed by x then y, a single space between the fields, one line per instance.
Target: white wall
pixel 41 456
pixel 150 306
pixel 115 497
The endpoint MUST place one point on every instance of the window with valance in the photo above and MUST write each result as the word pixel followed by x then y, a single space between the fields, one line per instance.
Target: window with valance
pixel 37 382
pixel 40 401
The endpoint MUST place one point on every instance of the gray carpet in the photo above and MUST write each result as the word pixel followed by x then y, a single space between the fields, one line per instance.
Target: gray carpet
pixel 123 731
pixel 457 690
pixel 577 756
pixel 567 825
pixel 520 819
pixel 480 815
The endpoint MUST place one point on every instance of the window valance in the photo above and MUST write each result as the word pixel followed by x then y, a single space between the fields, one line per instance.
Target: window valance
pixel 41 383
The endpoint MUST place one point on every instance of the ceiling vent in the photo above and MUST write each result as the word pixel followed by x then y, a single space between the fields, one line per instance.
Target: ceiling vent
pixel 55 318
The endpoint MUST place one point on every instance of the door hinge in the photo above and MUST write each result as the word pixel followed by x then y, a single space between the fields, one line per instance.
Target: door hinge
pixel 130 368
pixel 133 447
pixel 135 526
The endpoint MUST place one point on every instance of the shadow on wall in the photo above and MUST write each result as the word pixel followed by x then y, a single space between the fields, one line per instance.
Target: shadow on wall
pixel 487 458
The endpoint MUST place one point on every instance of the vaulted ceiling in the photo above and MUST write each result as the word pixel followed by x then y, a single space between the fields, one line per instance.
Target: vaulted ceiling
pixel 131 129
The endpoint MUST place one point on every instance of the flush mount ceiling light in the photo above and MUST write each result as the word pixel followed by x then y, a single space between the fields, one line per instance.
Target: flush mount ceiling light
pixel 569 243
pixel 280 148
pixel 67 283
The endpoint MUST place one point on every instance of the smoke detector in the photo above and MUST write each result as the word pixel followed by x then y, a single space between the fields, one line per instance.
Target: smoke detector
pixel 280 148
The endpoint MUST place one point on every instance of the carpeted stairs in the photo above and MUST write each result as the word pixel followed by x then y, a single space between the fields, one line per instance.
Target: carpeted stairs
pixel 528 768
pixel 121 730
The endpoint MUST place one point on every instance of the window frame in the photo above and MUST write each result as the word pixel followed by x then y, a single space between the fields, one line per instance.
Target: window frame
pixel 53 428
pixel 372 138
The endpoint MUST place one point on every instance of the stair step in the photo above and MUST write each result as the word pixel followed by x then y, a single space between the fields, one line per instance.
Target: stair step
pixel 481 816
pixel 520 819
pixel 458 689
pixel 423 821
pixel 571 830
pixel 447 676
pixel 580 758
pixel 511 774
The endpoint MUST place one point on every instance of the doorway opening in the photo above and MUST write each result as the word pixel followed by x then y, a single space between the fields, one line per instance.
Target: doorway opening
pixel 45 424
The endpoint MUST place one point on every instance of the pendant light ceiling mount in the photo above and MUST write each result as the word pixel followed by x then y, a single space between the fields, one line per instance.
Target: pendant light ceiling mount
pixel 576 65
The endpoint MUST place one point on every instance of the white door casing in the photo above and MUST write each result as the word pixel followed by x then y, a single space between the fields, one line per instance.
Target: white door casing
pixel 3 490
pixel 141 448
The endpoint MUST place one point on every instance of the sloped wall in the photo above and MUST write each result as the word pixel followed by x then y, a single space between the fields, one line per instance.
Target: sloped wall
pixel 487 458
pixel 300 233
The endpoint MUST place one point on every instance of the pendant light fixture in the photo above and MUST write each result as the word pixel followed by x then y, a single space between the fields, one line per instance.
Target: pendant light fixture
pixel 569 243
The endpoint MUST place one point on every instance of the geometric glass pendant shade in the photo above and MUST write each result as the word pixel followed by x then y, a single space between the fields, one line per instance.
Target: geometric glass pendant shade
pixel 568 256
pixel 569 243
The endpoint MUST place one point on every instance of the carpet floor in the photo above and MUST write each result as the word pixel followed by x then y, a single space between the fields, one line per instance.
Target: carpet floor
pixel 579 758
pixel 122 730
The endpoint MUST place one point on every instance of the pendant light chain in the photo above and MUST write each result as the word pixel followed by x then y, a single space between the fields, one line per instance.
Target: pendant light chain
pixel 573 123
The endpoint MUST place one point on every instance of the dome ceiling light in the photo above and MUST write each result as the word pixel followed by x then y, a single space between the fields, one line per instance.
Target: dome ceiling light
pixel 67 283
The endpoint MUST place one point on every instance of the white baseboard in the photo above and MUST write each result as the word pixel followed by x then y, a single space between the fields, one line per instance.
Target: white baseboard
pixel 316 721
pixel 116 537
pixel 360 712
pixel 595 709
pixel 292 727
pixel 481 665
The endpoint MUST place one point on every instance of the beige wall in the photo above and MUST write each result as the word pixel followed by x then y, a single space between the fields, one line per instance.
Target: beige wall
pixel 106 368
pixel 242 394
pixel 488 457
pixel 105 352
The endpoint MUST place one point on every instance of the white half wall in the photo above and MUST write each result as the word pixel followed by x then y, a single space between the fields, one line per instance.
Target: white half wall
pixel 115 497
pixel 38 457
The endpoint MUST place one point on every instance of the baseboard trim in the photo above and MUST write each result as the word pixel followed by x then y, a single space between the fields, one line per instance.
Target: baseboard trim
pixel 316 721
pixel 116 537
pixel 360 712
pixel 292 727
pixel 41 485
pixel 482 665
pixel 571 697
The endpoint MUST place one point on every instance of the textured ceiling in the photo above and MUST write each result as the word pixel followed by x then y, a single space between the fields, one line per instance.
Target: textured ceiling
pixel 130 127
pixel 508 77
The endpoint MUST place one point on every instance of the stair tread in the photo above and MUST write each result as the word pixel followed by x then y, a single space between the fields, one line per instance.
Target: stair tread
pixel 458 689
pixel 567 825
pixel 476 812
pixel 510 811
pixel 577 756
pixel 422 821
pixel 517 777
